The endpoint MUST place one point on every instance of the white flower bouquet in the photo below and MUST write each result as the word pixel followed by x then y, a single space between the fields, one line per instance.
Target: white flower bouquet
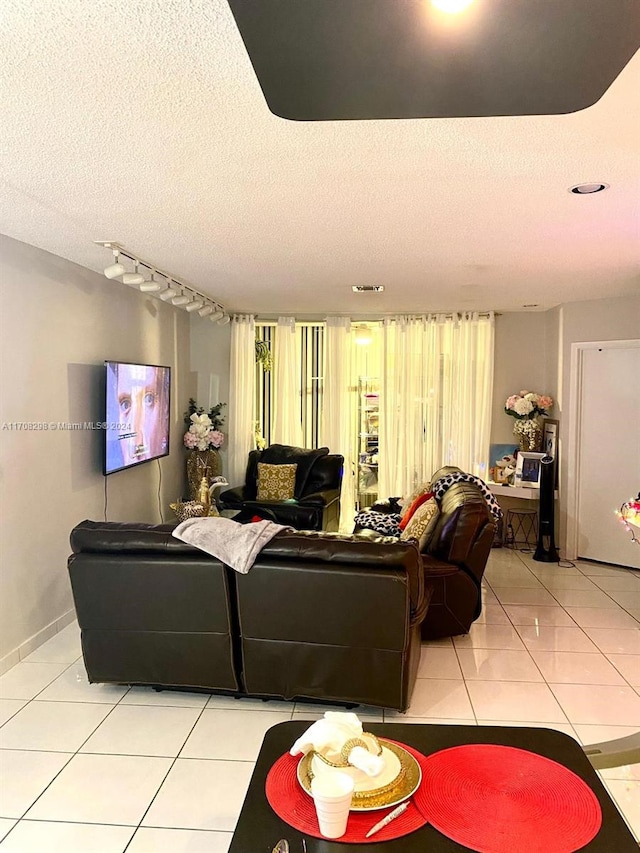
pixel 527 405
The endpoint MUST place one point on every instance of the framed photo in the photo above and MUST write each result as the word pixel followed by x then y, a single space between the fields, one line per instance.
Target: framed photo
pixel 528 469
pixel 550 437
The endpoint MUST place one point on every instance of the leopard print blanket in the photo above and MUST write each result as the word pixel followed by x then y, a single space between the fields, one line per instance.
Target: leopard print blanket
pixel 388 524
pixel 441 486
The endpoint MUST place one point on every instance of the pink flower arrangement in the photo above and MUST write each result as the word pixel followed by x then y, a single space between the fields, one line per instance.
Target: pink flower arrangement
pixel 527 405
pixel 203 431
pixel 201 435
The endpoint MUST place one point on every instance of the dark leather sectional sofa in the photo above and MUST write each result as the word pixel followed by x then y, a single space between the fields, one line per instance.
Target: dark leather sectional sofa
pixel 319 616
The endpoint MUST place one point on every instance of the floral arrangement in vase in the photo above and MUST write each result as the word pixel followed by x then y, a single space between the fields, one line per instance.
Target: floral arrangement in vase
pixel 203 431
pixel 527 407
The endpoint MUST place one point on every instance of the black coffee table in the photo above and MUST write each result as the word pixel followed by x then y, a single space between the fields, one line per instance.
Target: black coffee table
pixel 259 827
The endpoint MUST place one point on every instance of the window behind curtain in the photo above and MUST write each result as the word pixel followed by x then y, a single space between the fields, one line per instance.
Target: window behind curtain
pixel 311 382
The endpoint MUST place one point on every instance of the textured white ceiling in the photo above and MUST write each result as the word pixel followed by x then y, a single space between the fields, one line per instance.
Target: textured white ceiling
pixel 142 122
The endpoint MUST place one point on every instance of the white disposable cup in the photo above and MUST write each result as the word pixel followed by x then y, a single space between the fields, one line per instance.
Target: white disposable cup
pixel 332 794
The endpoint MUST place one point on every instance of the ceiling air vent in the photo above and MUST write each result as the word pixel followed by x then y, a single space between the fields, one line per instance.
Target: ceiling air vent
pixel 367 288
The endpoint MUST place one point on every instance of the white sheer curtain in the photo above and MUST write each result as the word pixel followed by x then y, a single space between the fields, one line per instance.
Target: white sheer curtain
pixel 287 420
pixel 338 409
pixel 468 347
pixel 435 400
pixel 241 396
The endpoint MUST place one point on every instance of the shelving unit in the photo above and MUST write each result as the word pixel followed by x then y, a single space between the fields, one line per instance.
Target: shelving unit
pixel 367 466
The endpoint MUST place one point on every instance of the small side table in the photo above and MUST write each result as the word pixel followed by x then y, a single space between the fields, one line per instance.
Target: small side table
pixel 521 528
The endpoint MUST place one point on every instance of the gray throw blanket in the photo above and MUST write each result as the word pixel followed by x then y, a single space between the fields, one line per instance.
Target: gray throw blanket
pixel 235 545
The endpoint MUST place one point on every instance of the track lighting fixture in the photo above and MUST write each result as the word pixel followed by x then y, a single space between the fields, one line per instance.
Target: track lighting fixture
pixel 171 290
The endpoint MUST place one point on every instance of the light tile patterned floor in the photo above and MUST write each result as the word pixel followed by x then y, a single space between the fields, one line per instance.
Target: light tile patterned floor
pixel 108 769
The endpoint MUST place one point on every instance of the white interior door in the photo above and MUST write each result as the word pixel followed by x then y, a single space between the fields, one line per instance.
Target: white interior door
pixel 609 450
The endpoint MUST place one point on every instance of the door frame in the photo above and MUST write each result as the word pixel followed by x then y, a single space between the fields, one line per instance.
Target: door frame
pixel 575 423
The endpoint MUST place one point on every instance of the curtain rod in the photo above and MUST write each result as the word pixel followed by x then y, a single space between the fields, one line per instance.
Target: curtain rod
pixel 446 315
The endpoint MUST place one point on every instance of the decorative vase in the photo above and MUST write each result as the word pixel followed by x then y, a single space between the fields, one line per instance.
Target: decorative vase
pixel 529 434
pixel 202 463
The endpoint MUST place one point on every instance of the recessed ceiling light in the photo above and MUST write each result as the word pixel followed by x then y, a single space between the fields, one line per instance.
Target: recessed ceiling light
pixel 588 189
pixel 367 288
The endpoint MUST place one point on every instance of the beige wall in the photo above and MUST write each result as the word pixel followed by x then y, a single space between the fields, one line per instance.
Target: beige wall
pixel 520 361
pixel 211 361
pixel 59 322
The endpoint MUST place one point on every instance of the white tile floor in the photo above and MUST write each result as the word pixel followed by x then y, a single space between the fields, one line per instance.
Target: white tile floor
pixel 103 769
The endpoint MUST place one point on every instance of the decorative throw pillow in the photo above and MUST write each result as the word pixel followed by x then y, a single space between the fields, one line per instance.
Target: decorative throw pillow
pixel 421 499
pixel 422 524
pixel 276 482
pixel 407 502
pixel 304 458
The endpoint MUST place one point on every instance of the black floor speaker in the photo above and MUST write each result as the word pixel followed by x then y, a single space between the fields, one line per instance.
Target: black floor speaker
pixel 546 548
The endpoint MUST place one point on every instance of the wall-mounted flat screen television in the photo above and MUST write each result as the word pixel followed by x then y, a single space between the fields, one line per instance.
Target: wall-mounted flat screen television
pixel 137 414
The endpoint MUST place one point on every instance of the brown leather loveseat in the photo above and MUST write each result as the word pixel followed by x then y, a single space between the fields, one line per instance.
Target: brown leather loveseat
pixel 455 557
pixel 319 616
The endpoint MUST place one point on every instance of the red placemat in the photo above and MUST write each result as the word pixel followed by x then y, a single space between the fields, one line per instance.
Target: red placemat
pixel 500 799
pixel 292 803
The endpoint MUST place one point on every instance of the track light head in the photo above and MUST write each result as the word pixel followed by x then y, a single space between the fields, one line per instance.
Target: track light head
pixel 180 300
pixel 169 293
pixel 132 278
pixel 151 286
pixel 224 320
pixel 204 312
pixel 115 269
pixel 194 305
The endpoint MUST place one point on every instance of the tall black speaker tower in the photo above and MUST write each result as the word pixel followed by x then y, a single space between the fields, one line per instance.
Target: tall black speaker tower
pixel 546 548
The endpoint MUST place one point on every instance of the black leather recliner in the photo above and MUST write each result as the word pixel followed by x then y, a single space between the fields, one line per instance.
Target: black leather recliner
pixel 316 501
pixel 455 557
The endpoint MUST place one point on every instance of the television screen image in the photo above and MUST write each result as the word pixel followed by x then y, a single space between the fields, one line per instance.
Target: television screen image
pixel 137 414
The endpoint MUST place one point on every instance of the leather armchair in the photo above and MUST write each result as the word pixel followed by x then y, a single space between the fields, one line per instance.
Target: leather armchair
pixel 316 501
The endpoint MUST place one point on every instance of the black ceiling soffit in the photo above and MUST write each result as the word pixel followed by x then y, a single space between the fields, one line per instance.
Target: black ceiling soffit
pixel 335 60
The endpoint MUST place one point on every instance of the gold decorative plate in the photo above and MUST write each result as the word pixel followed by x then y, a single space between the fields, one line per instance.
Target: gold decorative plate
pixel 409 779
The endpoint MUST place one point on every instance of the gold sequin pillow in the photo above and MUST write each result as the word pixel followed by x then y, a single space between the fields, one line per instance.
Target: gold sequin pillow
pixel 422 523
pixel 276 482
pixel 407 503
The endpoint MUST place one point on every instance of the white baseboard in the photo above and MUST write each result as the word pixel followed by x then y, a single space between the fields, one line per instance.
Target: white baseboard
pixel 34 642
